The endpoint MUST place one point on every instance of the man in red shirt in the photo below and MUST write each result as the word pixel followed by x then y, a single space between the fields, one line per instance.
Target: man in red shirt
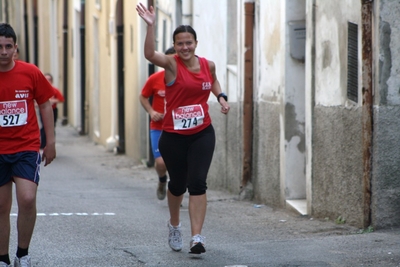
pixel 21 84
pixel 155 87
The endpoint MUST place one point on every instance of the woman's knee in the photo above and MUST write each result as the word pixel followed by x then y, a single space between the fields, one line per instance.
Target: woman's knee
pixel 197 188
pixel 176 189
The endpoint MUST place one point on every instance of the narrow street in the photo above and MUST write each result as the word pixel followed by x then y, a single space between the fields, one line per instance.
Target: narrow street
pixel 96 209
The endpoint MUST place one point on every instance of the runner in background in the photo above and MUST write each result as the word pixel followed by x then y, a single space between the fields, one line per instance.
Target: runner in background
pixel 155 88
pixel 54 100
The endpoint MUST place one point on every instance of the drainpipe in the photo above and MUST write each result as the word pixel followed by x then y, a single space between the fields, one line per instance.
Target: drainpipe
pixel 65 63
pixel 83 69
pixel 151 69
pixel 26 25
pixel 150 162
pixel 367 114
pixel 120 71
pixel 112 140
pixel 35 35
pixel 310 101
pixel 248 95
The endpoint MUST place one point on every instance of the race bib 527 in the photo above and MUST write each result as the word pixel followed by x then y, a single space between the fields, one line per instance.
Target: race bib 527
pixel 13 113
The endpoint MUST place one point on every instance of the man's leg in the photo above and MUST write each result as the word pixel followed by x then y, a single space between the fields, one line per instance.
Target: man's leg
pixel 26 198
pixel 160 167
pixel 5 208
pixel 162 178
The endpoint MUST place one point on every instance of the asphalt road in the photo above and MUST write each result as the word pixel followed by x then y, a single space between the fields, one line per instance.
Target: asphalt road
pixel 98 209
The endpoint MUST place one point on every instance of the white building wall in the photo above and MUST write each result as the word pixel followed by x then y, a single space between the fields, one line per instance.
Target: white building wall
pixel 210 26
pixel 333 123
pixel 269 50
pixel 294 101
pixel 331 50
pixel 165 24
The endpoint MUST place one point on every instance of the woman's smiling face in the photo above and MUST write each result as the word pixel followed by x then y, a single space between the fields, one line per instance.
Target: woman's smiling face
pixel 185 45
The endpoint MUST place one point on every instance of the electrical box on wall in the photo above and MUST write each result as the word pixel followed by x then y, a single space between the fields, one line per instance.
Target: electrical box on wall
pixel 297 39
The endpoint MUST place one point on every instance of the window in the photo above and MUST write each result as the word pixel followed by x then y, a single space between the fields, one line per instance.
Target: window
pixel 352 62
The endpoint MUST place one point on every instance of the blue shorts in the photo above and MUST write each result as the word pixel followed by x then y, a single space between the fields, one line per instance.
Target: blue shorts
pixel 22 164
pixel 155 136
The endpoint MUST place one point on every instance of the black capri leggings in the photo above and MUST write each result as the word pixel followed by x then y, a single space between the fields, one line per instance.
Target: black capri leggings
pixel 187 158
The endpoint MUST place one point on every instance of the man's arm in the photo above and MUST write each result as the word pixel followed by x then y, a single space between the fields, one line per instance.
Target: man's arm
pixel 49 152
pixel 155 116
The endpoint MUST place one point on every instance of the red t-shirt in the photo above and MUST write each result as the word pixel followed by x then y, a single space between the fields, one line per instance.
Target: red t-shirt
pixel 155 86
pixel 57 95
pixel 19 88
pixel 186 99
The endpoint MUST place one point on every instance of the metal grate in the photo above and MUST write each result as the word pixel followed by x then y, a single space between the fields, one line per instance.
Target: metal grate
pixel 352 62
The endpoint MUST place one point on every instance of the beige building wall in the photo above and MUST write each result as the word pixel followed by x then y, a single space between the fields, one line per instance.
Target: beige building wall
pixel 135 75
pixel 98 79
pixel 15 19
pixel 49 41
pixel 44 9
pixel 101 118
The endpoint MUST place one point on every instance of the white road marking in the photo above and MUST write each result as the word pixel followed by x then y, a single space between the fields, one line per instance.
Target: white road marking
pixel 70 214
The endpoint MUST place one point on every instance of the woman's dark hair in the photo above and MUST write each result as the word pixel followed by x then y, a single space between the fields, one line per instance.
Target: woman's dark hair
pixel 184 28
pixel 7 31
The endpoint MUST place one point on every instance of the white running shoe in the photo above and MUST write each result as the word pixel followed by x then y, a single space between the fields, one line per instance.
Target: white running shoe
pixel 3 264
pixel 198 244
pixel 175 237
pixel 25 261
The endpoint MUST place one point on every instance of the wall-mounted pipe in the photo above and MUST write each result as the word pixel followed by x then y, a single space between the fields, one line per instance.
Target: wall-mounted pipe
pixel 120 77
pixel 65 63
pixel 111 142
pixel 35 34
pixel 367 114
pixel 26 25
pixel 83 68
pixel 248 95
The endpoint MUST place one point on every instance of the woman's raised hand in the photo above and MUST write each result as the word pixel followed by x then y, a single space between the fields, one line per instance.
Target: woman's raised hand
pixel 147 15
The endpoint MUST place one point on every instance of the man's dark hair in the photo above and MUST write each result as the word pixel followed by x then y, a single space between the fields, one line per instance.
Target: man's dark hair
pixel 170 51
pixel 7 31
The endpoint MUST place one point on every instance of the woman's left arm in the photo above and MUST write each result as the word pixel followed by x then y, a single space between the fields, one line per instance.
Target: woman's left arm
pixel 216 89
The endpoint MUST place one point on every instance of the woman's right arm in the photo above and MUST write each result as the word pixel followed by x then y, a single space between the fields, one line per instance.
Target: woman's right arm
pixel 157 58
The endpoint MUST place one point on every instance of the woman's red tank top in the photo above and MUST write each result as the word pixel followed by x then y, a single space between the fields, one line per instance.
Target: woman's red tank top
pixel 186 108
